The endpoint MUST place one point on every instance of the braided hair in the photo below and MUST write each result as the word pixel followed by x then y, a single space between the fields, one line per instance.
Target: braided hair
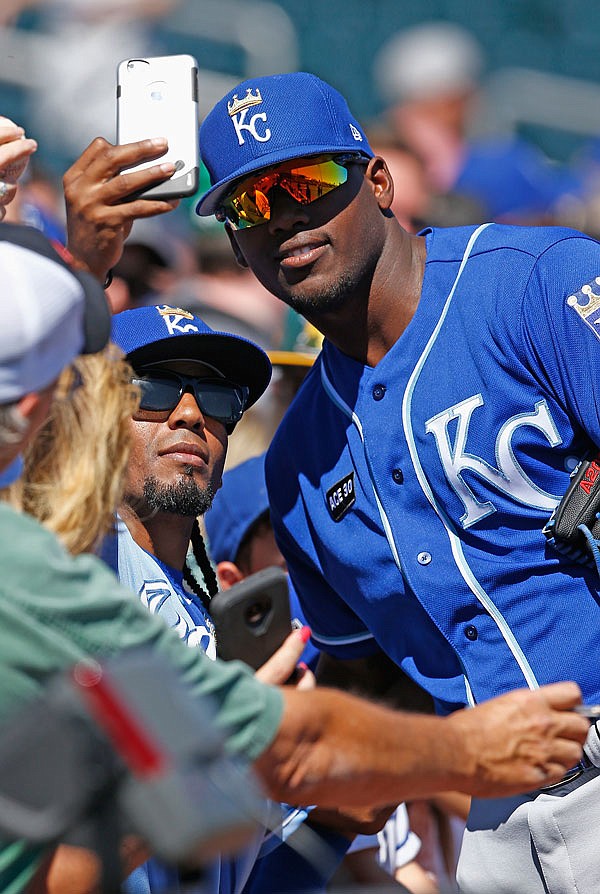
pixel 206 569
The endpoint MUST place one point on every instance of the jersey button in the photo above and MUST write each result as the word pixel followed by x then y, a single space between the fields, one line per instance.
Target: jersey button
pixel 471 632
pixel 424 558
pixel 398 476
pixel 378 392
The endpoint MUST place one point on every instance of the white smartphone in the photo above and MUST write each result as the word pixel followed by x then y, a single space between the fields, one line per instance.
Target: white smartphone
pixel 158 97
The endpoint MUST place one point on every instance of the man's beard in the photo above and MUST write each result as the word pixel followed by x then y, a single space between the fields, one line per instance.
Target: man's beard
pixel 323 302
pixel 183 498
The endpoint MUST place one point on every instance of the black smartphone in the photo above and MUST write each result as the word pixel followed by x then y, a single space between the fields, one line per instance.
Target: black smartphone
pixel 158 97
pixel 252 618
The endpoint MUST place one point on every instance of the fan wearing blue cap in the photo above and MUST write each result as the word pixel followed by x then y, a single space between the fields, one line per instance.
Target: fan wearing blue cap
pixel 195 384
pixel 413 476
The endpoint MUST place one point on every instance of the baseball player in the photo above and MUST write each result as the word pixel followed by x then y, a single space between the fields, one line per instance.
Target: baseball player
pixel 412 478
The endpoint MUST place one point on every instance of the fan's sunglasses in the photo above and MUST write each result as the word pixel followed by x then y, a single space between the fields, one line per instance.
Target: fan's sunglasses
pixel 218 398
pixel 249 204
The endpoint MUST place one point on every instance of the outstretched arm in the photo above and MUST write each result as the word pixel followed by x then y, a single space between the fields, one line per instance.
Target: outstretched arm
pixel 335 750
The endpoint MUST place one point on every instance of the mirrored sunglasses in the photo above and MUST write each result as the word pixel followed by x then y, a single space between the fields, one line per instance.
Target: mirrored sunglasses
pixel 218 398
pixel 249 205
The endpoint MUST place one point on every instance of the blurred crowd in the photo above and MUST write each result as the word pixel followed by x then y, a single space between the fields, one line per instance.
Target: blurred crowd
pixel 429 78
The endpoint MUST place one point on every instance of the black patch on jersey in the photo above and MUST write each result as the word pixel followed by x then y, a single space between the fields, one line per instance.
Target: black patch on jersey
pixel 341 497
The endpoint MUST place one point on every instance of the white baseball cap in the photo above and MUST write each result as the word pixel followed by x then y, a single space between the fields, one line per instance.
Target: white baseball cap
pixel 49 313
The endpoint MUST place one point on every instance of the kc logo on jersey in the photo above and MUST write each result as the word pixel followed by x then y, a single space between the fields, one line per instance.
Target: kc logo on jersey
pixel 586 303
pixel 239 110
pixel 341 497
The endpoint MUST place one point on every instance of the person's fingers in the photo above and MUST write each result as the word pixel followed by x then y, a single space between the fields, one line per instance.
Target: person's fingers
pixel 120 187
pixel 14 158
pixel 561 695
pixel 549 773
pixel 283 662
pixel 565 752
pixel 102 160
pixel 305 679
pixel 15 149
pixel 9 130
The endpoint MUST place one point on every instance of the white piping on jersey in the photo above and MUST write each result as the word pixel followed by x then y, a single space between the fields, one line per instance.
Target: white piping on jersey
pixel 342 640
pixel 456 546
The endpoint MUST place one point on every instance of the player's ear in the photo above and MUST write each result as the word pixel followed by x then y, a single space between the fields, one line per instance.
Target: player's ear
pixel 380 179
pixel 228 574
pixel 235 247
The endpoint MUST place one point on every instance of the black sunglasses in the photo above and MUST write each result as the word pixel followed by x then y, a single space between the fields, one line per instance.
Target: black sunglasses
pixel 218 398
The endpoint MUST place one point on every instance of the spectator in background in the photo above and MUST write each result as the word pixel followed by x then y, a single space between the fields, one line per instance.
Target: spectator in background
pixel 429 77
pixel 416 202
pixel 387 860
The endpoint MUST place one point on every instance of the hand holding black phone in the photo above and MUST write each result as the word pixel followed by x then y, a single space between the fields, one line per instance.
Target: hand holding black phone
pixel 252 618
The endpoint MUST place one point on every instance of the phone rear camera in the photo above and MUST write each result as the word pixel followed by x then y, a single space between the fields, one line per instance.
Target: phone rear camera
pixel 255 613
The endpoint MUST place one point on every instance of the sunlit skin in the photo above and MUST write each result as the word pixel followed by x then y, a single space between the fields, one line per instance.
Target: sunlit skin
pixel 171 446
pixel 341 261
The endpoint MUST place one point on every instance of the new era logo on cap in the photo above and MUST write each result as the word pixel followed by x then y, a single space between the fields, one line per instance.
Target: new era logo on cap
pixel 269 120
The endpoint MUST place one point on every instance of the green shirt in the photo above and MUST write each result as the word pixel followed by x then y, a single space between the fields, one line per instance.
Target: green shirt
pixel 56 609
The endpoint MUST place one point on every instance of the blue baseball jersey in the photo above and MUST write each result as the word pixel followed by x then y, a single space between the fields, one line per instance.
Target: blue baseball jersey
pixel 160 588
pixel 409 499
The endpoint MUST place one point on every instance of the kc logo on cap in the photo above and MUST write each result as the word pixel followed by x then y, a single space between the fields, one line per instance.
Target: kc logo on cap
pixel 238 110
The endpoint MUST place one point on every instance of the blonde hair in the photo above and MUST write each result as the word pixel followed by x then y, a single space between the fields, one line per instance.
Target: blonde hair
pixel 75 466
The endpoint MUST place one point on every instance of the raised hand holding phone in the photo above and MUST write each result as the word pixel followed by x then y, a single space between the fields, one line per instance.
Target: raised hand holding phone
pixel 253 623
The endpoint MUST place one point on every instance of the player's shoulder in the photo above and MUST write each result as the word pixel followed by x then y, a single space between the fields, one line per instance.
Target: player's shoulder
pixel 450 243
pixel 533 240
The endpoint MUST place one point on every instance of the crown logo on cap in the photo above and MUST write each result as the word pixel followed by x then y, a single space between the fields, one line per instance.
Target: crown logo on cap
pixel 238 105
pixel 166 311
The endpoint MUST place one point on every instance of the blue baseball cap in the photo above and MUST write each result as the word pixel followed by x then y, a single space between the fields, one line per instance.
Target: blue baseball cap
pixel 268 120
pixel 157 333
pixel 239 503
